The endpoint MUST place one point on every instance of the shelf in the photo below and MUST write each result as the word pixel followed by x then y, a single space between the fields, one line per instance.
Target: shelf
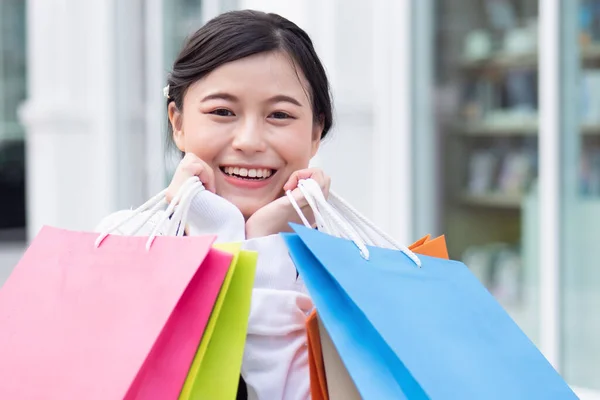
pixel 11 131
pixel 589 54
pixel 590 129
pixel 502 61
pixel 524 129
pixel 492 200
pixel 484 129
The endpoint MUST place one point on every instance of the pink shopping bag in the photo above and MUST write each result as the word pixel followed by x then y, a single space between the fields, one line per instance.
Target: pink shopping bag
pixel 113 322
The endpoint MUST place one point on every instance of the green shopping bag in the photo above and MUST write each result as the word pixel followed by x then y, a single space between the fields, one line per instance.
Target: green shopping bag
pixel 215 371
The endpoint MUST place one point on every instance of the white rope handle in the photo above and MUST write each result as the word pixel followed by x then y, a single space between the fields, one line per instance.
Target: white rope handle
pixel 323 224
pixel 167 220
pixel 332 221
pixel 174 212
pixel 374 236
pixel 369 236
pixel 173 219
pixel 184 209
pixel 363 224
pixel 347 219
pixel 153 204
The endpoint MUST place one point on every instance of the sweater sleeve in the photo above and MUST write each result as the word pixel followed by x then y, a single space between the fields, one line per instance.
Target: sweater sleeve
pixel 212 214
pixel 209 214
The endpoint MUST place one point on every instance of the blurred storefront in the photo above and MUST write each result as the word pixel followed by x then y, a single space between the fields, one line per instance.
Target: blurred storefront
pixel 473 118
pixel 516 122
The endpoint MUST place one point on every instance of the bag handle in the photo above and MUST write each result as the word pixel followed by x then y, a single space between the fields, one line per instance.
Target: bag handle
pixel 343 220
pixel 173 219
pixel 372 235
pixel 332 223
pixel 176 213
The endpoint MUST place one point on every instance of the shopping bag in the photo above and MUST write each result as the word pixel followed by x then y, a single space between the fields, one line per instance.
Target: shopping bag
pixel 215 371
pixel 316 366
pixel 116 321
pixel 409 332
pixel 329 377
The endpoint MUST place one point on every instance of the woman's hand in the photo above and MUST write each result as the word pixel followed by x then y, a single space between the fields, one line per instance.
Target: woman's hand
pixel 190 166
pixel 310 173
pixel 275 216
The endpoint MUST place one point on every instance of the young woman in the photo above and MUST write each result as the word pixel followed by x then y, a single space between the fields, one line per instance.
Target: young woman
pixel 248 103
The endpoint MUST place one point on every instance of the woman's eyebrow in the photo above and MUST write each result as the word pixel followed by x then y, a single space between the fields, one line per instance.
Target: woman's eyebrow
pixel 229 97
pixel 284 98
pixel 220 96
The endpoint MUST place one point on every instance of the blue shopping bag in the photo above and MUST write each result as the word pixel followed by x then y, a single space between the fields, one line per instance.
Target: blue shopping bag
pixel 405 332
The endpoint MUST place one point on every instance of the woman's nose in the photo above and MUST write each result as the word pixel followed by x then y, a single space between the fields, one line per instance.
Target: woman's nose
pixel 249 138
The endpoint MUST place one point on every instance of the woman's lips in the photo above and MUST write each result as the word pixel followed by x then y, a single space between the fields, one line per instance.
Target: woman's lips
pixel 248 177
pixel 254 172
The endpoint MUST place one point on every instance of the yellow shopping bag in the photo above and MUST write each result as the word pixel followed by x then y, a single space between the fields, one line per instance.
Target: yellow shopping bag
pixel 215 371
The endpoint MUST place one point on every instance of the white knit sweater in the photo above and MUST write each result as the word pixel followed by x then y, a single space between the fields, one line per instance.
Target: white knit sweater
pixel 275 364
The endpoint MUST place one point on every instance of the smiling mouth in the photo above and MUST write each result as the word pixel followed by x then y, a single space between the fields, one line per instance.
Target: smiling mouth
pixel 250 174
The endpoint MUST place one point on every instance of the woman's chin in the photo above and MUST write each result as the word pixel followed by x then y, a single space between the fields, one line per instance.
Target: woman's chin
pixel 247 209
pixel 246 204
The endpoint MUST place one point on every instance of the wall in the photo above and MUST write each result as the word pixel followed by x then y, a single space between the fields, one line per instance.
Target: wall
pixel 83 118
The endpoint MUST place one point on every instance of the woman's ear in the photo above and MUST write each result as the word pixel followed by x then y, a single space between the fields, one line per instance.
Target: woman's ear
pixel 176 120
pixel 316 136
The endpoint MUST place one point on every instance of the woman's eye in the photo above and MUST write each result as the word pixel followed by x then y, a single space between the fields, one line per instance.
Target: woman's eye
pixel 222 112
pixel 280 115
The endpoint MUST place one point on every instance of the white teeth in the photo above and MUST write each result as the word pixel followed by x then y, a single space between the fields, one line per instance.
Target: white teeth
pixel 248 173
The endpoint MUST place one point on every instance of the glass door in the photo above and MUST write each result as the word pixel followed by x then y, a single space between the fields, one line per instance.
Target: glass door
pixel 486 133
pixel 167 24
pixel 181 18
pixel 519 194
pixel 580 193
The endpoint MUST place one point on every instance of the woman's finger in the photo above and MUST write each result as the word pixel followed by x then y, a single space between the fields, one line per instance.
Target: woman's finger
pixel 204 173
pixel 309 173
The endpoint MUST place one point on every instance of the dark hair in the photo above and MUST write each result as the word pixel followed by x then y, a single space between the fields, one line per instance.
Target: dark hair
pixel 238 34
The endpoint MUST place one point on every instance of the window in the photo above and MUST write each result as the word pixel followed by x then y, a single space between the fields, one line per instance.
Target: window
pixel 12 137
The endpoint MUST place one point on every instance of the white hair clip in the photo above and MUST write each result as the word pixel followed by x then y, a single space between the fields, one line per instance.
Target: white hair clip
pixel 166 91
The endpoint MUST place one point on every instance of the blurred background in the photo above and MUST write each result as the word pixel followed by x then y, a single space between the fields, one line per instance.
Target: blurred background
pixel 477 119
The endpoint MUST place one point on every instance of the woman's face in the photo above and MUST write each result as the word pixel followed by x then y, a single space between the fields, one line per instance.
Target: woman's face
pixel 252 122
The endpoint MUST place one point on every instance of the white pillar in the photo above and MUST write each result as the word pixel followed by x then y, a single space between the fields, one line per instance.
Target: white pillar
pixel 80 117
pixel 550 178
pixel 345 33
pixel 392 182
pixel 156 67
